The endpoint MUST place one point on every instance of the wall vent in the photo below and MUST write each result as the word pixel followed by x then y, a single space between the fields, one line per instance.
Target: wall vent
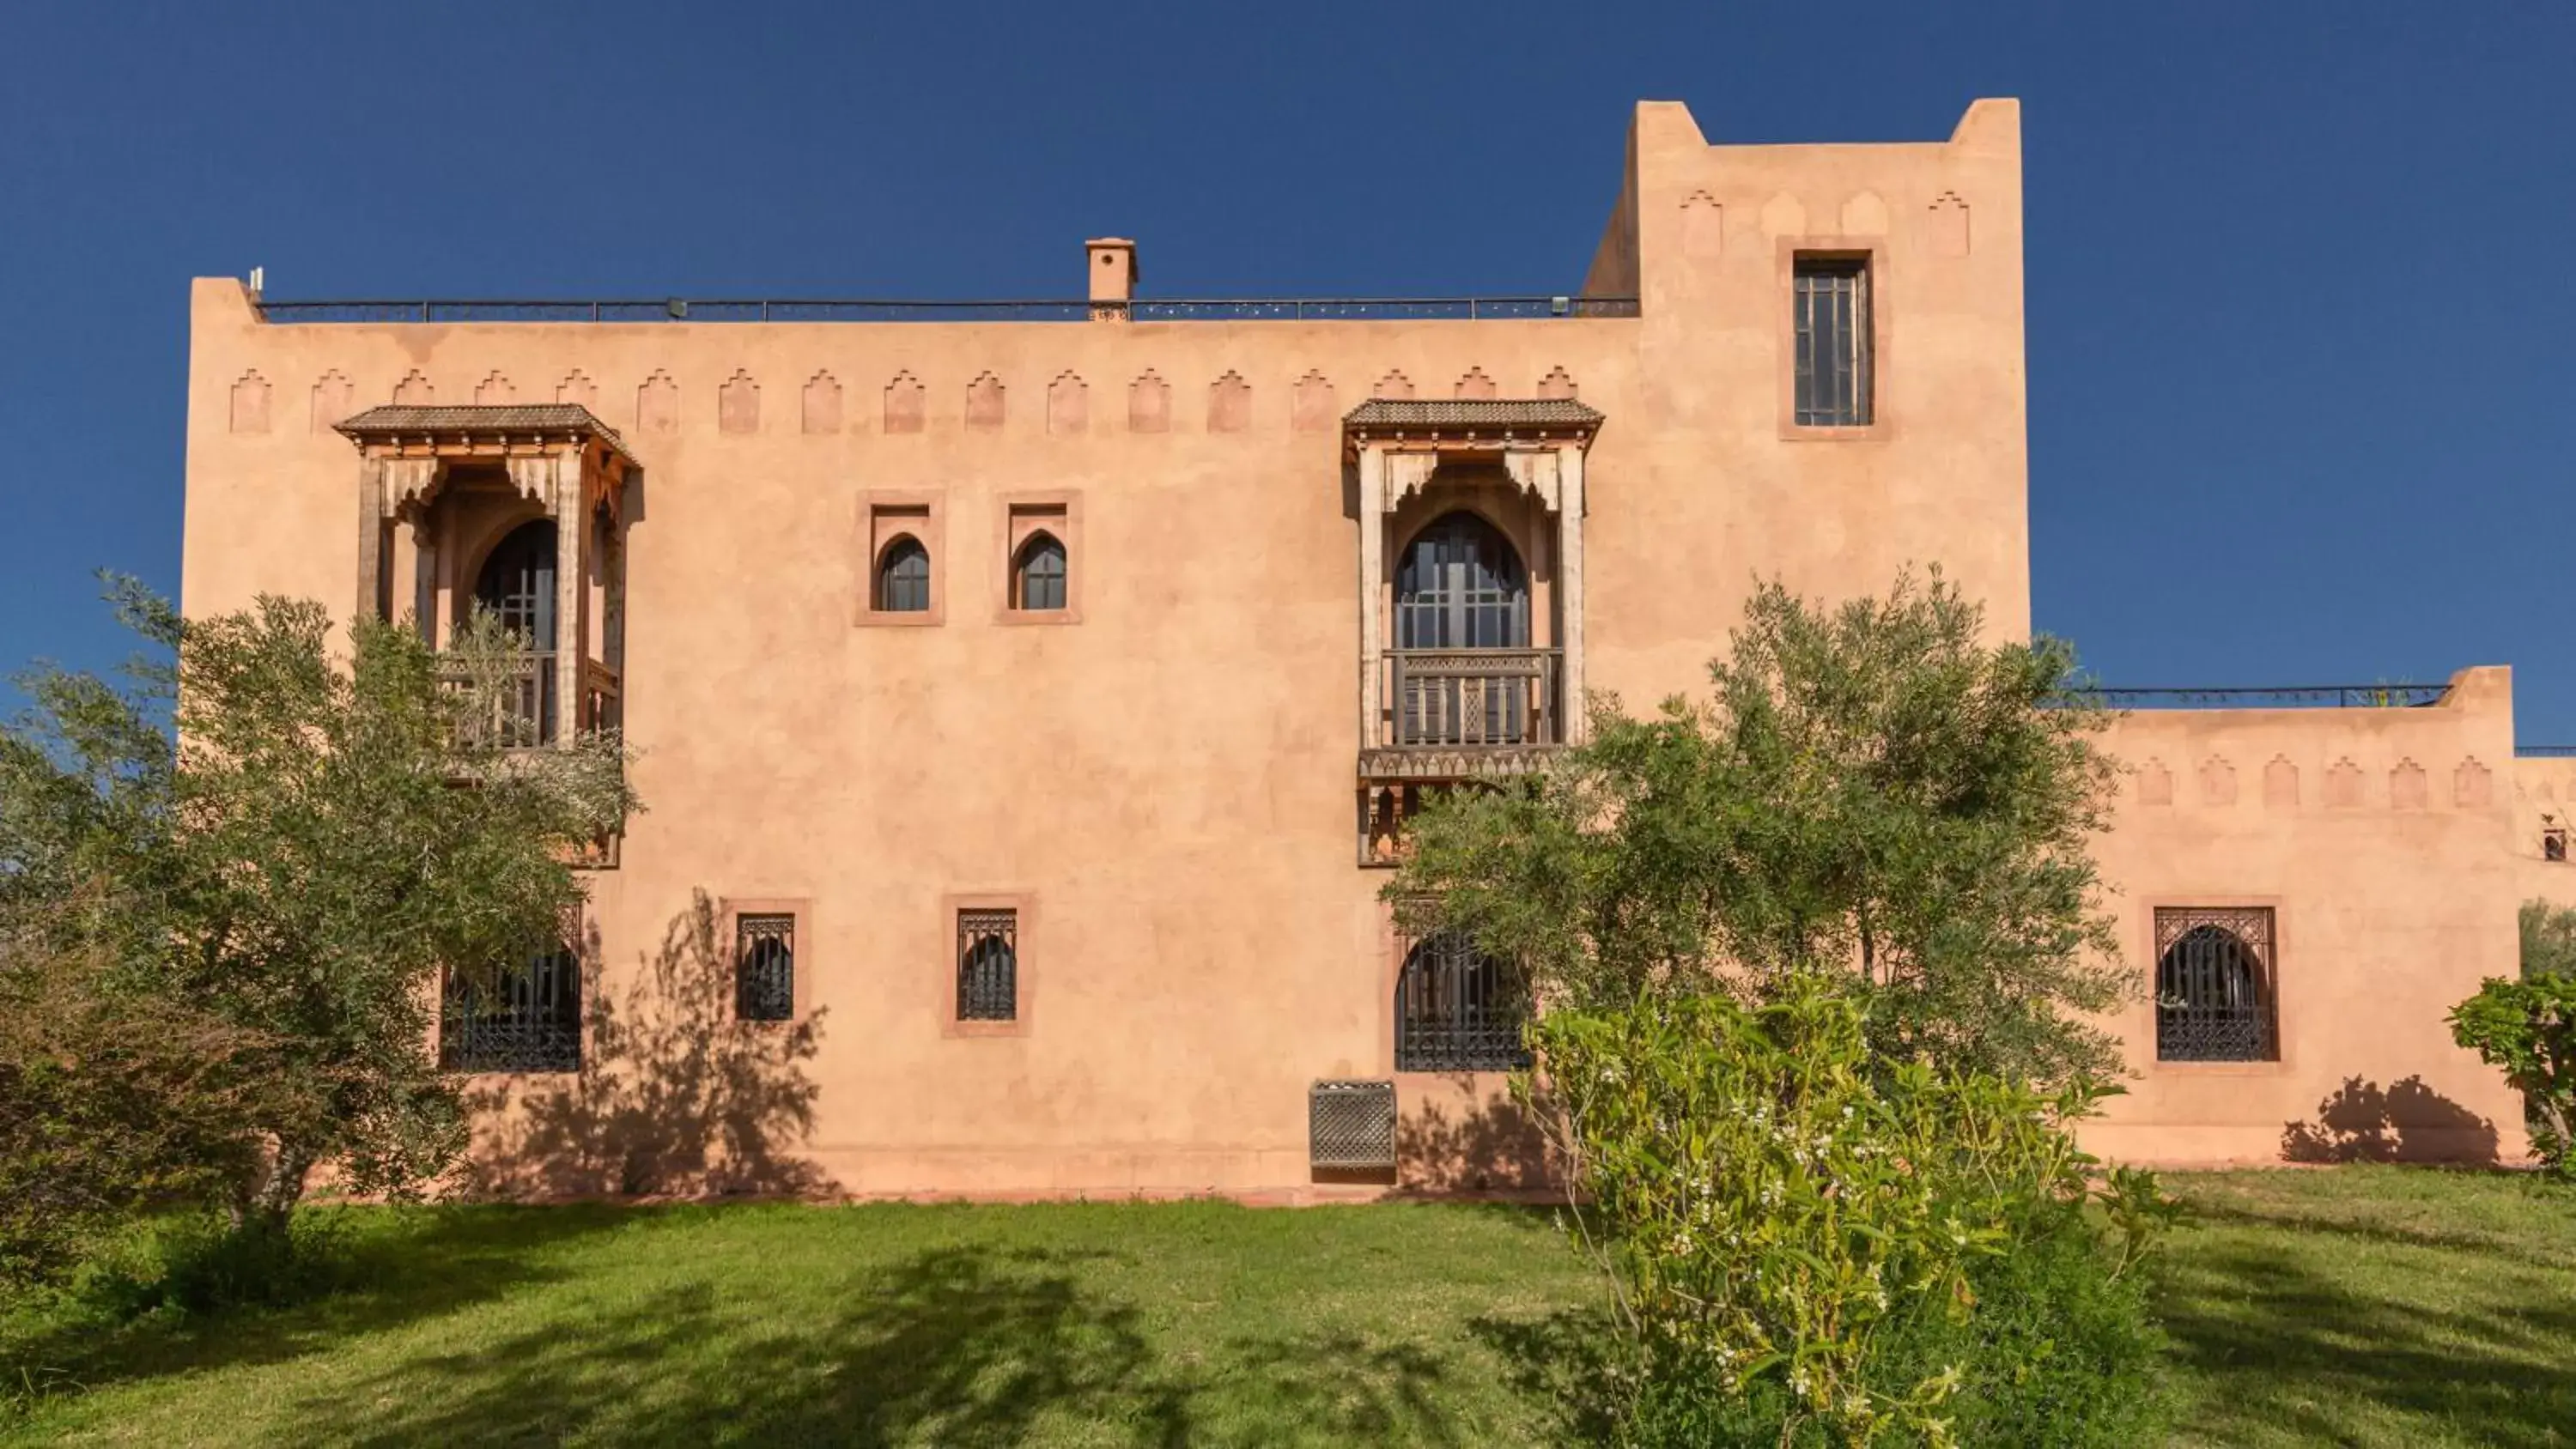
pixel 1351 1124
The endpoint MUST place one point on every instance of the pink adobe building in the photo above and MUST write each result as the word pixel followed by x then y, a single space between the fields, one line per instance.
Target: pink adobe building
pixel 1036 690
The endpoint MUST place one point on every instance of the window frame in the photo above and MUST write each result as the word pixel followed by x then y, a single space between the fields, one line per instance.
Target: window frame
pixel 2143 1050
pixel 800 913
pixel 1022 515
pixel 885 515
pixel 1025 936
pixel 1871 255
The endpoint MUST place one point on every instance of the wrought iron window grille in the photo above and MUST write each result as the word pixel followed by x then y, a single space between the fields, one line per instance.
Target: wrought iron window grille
pixel 1458 1009
pixel 527 1018
pixel 764 970
pixel 1835 369
pixel 988 965
pixel 2215 985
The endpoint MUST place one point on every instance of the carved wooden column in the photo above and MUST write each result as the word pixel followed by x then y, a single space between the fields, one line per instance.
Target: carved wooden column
pixel 374 533
pixel 1569 588
pixel 566 505
pixel 1373 512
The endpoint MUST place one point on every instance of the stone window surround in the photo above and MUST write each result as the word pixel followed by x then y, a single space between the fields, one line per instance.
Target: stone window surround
pixel 1025 926
pixel 1872 251
pixel 1056 511
pixel 884 513
pixel 729 940
pixel 2140 1041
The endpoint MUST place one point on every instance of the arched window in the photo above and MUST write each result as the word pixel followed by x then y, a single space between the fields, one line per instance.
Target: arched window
pixel 517 583
pixel 2214 986
pixel 1461 590
pixel 1461 586
pixel 517 586
pixel 1037 574
pixel 1458 1010
pixel 903 577
pixel 988 965
pixel 764 967
pixel 523 1018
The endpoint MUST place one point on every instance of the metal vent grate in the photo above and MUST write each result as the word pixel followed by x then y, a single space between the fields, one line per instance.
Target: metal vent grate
pixel 1351 1124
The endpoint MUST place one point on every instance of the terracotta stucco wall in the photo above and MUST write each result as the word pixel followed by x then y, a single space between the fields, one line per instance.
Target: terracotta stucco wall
pixel 2381 839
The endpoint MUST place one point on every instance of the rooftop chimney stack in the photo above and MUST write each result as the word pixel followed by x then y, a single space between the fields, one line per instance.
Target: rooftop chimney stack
pixel 1112 265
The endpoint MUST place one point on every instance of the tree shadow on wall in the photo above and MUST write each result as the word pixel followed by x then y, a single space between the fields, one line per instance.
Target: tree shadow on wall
pixel 963 1344
pixel 1487 1144
pixel 674 1096
pixel 2405 1121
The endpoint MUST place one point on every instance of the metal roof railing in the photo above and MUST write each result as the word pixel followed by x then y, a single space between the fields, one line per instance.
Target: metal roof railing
pixel 2297 696
pixel 1142 309
pixel 2545 752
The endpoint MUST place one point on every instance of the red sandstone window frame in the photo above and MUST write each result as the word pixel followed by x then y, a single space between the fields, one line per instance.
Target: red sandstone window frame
pixel 2138 1023
pixel 885 514
pixel 800 909
pixel 1056 512
pixel 1872 253
pixel 1027 940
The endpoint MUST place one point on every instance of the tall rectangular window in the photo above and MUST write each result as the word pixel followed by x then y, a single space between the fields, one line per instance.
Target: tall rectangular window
pixel 1835 383
pixel 988 965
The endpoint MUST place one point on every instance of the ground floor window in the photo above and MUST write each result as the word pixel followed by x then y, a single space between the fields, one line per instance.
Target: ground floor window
pixel 525 1019
pixel 2214 985
pixel 1458 1010
pixel 764 967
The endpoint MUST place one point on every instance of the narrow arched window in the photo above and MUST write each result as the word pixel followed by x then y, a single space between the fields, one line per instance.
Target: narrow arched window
pixel 1037 573
pixel 516 585
pixel 764 968
pixel 1458 1010
pixel 2214 990
pixel 903 577
pixel 988 965
pixel 524 1017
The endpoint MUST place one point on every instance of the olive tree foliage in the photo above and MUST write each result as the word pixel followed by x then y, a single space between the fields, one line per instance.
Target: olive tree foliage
pixel 1871 784
pixel 271 839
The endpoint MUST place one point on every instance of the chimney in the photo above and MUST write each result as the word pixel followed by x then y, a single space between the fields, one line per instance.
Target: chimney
pixel 1112 266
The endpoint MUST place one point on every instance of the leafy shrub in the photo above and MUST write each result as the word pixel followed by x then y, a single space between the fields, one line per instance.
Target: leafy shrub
pixel 2528 1027
pixel 1810 1244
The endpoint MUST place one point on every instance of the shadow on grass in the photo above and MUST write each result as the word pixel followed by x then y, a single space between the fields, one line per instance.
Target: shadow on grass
pixel 1566 1360
pixel 412 1265
pixel 2280 1346
pixel 955 1345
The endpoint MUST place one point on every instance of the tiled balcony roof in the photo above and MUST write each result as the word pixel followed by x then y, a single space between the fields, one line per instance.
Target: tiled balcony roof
pixel 395 420
pixel 1543 412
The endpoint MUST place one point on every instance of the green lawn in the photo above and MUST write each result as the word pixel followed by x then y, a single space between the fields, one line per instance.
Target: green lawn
pixel 2357 1305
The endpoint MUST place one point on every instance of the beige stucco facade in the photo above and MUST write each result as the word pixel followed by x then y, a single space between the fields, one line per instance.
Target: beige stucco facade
pixel 1171 778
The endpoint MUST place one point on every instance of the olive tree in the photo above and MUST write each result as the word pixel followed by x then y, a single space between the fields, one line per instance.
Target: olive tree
pixel 1874 784
pixel 282 835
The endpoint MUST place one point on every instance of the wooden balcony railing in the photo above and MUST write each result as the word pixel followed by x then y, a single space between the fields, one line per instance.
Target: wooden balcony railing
pixel 520 712
pixel 1454 699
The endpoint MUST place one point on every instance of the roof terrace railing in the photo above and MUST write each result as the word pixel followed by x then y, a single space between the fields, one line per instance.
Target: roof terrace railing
pixel 2300 696
pixel 1143 309
pixel 2545 752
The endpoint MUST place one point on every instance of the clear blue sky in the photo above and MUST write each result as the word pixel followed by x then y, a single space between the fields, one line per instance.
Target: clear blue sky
pixel 2300 311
